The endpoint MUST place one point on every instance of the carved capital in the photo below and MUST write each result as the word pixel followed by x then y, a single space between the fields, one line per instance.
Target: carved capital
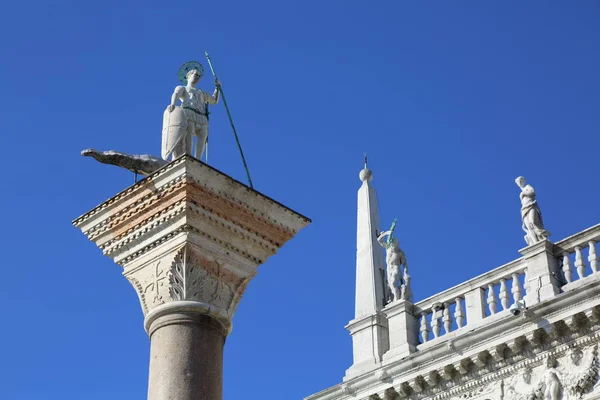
pixel 191 234
pixel 190 274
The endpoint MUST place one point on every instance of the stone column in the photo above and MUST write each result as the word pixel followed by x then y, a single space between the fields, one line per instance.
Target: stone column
pixel 189 239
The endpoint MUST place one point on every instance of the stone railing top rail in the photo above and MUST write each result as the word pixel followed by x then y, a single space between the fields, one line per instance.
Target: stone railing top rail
pixel 581 238
pixel 516 266
pixel 458 291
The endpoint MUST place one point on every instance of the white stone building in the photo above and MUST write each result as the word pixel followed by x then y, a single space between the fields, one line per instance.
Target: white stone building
pixel 526 330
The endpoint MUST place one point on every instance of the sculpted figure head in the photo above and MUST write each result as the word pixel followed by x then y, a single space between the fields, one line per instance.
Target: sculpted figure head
pixel 575 355
pixel 394 242
pixel 193 76
pixel 551 362
pixel 520 181
pixel 526 374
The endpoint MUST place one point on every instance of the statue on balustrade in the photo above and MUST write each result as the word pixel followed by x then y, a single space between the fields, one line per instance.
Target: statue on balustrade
pixel 531 214
pixel 181 123
pixel 395 258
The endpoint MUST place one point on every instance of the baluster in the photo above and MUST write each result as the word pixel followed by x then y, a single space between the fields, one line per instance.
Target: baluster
pixel 459 317
pixel 447 320
pixel 435 321
pixel 516 287
pixel 526 284
pixel 579 262
pixel 424 327
pixel 567 267
pixel 491 299
pixel 593 257
pixel 503 294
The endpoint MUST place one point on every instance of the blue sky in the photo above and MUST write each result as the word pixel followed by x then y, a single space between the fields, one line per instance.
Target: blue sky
pixel 451 100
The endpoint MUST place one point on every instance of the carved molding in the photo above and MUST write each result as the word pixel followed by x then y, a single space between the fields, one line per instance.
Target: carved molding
pixel 578 369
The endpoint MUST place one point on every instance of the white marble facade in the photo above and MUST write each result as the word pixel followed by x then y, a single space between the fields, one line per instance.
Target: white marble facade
pixel 527 330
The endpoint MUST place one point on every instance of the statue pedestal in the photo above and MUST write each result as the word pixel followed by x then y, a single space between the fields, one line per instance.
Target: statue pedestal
pixel 189 239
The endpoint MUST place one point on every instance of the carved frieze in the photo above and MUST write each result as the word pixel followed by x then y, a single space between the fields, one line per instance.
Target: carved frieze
pixel 571 377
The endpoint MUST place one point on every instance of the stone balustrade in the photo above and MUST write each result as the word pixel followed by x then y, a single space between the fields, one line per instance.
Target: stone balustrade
pixel 465 343
pixel 471 302
pixel 544 271
pixel 578 255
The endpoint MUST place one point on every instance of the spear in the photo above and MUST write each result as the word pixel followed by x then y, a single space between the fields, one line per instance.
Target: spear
pixel 392 229
pixel 237 140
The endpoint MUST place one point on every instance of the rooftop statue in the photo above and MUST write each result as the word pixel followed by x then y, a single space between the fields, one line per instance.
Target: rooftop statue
pixel 531 214
pixel 395 258
pixel 181 123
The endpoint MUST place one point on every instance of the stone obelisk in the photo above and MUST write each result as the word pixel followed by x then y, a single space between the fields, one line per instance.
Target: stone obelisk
pixel 189 239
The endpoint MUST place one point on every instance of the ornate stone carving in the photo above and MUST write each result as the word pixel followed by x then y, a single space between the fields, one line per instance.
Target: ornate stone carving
pixel 150 285
pixel 485 391
pixel 189 276
pixel 583 372
pixel 190 234
pixel 577 375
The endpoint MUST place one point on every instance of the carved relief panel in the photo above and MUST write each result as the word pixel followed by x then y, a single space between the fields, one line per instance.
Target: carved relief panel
pixel 575 375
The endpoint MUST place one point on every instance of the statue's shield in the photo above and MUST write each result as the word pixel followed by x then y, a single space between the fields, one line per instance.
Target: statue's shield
pixel 174 128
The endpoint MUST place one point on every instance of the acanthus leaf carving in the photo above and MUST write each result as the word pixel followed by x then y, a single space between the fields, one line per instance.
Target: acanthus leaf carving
pixel 189 274
pixel 195 278
pixel 186 279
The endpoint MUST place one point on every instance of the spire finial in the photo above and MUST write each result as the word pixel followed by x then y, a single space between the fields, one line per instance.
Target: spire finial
pixel 365 174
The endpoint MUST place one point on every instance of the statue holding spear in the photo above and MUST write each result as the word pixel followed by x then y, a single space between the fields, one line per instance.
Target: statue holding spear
pixel 181 123
pixel 395 258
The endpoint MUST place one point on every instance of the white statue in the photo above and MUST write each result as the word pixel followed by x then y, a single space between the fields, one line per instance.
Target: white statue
pixel 394 258
pixel 531 214
pixel 181 123
pixel 551 380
